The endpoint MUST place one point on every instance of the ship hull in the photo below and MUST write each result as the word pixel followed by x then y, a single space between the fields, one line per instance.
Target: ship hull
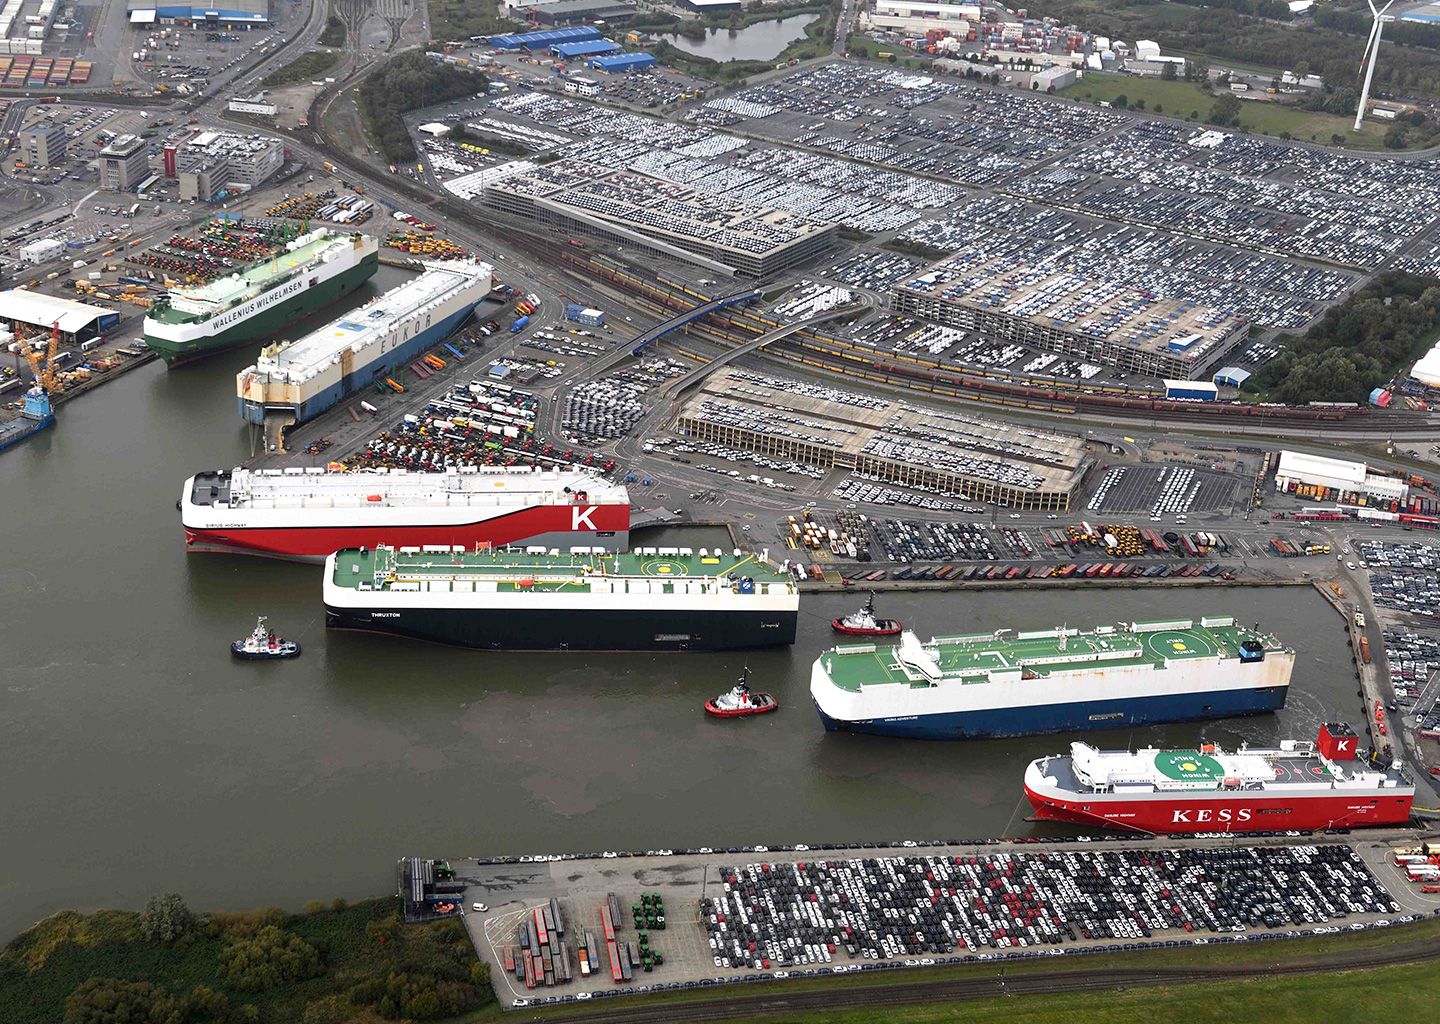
pixel 267 321
pixel 1222 812
pixel 364 376
pixel 15 437
pixel 550 525
pixel 511 629
pixel 1080 716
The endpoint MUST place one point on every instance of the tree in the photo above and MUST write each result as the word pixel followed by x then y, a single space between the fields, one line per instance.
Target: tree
pixel 167 919
pixel 1225 110
pixel 1197 69
pixel 1167 73
pixel 312 907
pixel 1397 136
pixel 1158 109
pixel 1337 140
pixel 1121 101
pixel 1138 104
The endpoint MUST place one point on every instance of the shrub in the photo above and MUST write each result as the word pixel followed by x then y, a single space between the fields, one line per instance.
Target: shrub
pixel 115 1001
pixel 271 958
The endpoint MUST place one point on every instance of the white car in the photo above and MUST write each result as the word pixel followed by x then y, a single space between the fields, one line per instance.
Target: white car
pixel 1014 515
pixel 1350 566
pixel 479 908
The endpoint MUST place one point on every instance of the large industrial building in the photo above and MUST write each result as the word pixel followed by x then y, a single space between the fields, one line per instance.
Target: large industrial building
pixel 578 12
pixel 213 164
pixel 1099 320
pixel 229 12
pixel 710 6
pixel 77 321
pixel 1335 479
pixel 952 451
pixel 660 217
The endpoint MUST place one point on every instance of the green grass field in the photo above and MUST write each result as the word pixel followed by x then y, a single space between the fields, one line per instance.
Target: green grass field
pixel 303 69
pixel 1181 99
pixel 461 19
pixel 1398 993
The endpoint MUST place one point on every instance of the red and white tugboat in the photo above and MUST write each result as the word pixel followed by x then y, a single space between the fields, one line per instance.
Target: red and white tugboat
pixel 864 622
pixel 740 702
pixel 262 645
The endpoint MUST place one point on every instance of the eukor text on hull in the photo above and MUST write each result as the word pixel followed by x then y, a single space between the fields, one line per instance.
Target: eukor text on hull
pixel 652 599
pixel 296 381
pixel 1054 680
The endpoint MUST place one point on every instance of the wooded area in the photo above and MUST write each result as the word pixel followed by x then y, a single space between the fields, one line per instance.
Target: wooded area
pixel 409 82
pixel 1357 345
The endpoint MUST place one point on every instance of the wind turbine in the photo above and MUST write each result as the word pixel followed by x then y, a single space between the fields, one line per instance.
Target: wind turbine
pixel 1372 51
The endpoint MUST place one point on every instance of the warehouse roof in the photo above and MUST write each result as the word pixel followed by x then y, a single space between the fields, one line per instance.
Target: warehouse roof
pixel 1231 375
pixel 584 47
pixel 545 38
pixel 1427 368
pixel 1302 464
pixel 44 310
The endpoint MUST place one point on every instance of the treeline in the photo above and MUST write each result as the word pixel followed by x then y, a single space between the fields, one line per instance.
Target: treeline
pixel 409 82
pixel 1233 32
pixel 331 964
pixel 1356 346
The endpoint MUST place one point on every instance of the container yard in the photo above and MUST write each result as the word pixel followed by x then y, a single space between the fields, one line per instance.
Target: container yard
pixel 328 205
pixel 485 422
pixel 763 913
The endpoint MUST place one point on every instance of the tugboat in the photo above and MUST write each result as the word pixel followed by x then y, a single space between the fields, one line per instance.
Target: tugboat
pixel 864 622
pixel 261 645
pixel 740 702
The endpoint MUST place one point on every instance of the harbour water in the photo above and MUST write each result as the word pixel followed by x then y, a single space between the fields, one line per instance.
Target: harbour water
pixel 138 757
pixel 759 41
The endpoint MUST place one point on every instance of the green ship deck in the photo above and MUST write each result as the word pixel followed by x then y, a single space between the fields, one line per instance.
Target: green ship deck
pixel 963 659
pixel 223 292
pixel 423 568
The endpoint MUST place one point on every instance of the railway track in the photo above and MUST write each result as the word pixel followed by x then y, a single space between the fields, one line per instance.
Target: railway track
pixel 1095 979
pixel 854 360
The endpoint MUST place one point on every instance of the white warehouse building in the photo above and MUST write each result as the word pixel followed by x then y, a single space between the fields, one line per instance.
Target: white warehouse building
pixel 1351 479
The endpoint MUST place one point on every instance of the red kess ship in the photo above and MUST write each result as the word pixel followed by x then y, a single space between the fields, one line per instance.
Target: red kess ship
pixel 1298 786
pixel 306 514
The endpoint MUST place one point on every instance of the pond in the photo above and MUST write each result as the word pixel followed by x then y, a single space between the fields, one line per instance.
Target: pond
pixel 760 41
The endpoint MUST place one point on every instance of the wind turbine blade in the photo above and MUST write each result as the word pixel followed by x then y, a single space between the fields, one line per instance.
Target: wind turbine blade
pixel 1369 44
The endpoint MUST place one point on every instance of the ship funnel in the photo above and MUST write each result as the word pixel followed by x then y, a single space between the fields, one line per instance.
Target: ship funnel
pixel 1337 742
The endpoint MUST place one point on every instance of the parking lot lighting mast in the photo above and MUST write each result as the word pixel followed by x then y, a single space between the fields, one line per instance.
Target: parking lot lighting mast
pixel 1372 51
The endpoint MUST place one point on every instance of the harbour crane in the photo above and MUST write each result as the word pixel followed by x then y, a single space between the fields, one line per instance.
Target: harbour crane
pixel 44 372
